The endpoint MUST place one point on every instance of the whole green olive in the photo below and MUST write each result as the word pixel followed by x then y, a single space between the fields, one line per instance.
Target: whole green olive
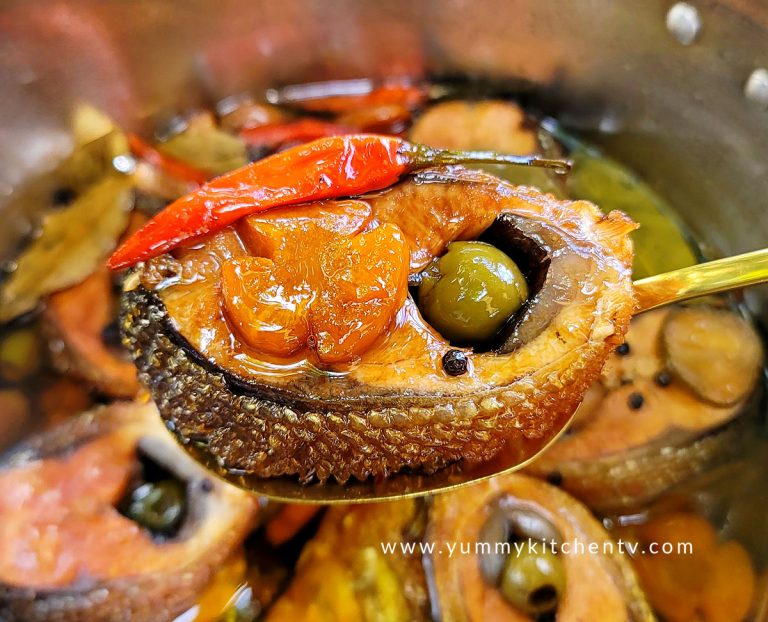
pixel 158 506
pixel 469 292
pixel 533 579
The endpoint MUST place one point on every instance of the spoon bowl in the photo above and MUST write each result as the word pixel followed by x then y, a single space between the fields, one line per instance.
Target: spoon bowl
pixel 652 292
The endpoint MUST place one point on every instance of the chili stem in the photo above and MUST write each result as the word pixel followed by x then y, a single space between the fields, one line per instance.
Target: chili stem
pixel 426 156
pixel 326 168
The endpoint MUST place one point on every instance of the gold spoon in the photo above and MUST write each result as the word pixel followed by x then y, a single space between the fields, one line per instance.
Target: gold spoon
pixel 703 279
pixel 663 289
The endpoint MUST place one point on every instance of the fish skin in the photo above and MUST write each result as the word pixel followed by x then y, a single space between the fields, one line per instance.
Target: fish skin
pixel 265 431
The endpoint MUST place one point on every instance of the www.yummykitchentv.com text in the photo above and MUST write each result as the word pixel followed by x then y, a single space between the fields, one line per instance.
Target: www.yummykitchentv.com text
pixel 566 547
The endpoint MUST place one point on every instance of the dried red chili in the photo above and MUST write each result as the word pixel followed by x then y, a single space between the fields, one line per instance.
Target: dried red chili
pixel 173 167
pixel 327 168
pixel 273 135
pixel 409 95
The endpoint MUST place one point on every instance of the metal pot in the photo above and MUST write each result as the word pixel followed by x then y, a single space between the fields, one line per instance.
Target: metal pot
pixel 679 93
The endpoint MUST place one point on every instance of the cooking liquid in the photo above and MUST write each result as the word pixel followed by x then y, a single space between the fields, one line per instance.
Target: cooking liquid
pixel 733 497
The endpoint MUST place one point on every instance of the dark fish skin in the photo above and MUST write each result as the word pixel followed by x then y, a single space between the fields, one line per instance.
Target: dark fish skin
pixel 247 429
pixel 147 600
pixel 151 597
pixel 598 587
pixel 624 476
pixel 353 427
pixel 345 567
pixel 631 480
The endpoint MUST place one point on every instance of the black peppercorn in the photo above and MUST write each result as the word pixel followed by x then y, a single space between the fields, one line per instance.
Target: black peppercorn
pixel 635 400
pixel 555 478
pixel 663 379
pixel 63 196
pixel 623 349
pixel 455 363
pixel 110 335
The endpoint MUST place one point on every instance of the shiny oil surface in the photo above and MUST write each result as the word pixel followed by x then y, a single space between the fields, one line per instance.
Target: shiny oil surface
pixel 676 114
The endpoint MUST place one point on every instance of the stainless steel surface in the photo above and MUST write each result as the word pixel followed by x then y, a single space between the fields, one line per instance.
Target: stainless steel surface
pixel 677 114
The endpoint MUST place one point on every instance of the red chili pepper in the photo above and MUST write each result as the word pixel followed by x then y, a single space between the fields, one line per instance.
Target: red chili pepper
pixel 327 168
pixel 173 167
pixel 382 119
pixel 302 130
pixel 409 95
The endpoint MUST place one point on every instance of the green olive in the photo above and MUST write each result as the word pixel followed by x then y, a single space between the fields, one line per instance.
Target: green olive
pixel 158 506
pixel 533 579
pixel 469 292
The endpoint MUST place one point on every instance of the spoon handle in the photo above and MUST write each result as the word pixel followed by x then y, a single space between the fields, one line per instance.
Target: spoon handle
pixel 702 279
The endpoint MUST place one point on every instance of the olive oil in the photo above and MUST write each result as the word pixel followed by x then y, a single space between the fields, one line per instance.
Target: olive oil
pixel 661 243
